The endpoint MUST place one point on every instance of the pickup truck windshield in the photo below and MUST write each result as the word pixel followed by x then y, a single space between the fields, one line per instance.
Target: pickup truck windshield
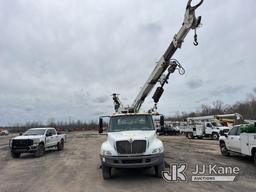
pixel 131 123
pixel 34 132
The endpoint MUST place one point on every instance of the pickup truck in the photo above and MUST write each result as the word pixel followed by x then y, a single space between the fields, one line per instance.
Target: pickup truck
pixel 237 142
pixel 36 140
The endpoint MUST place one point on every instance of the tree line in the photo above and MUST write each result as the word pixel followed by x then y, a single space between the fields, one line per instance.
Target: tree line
pixel 61 126
pixel 246 108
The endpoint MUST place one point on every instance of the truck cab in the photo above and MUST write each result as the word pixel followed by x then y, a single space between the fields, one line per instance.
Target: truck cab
pixel 131 143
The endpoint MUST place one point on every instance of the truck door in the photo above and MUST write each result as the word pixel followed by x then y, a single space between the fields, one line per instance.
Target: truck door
pixel 48 138
pixel 208 128
pixel 54 137
pixel 234 139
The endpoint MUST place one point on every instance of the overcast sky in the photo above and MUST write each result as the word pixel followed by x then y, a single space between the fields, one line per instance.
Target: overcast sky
pixel 63 59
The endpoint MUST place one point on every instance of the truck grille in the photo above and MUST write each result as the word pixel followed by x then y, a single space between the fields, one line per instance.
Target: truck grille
pixel 125 147
pixel 22 142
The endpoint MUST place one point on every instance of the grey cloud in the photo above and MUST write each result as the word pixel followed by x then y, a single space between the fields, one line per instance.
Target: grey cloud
pixel 203 99
pixel 195 83
pixel 254 89
pixel 102 99
pixel 226 90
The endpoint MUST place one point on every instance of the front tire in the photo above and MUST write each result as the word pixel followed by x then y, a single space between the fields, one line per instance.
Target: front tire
pixel 215 136
pixel 106 172
pixel 255 158
pixel 40 150
pixel 15 154
pixel 223 149
pixel 159 169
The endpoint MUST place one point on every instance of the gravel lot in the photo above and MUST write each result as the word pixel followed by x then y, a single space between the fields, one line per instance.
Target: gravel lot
pixel 77 168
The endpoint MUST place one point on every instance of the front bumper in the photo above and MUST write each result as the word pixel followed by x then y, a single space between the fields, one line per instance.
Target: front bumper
pixel 24 149
pixel 138 161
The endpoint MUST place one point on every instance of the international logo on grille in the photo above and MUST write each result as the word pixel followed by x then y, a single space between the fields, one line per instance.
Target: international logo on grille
pixel 130 140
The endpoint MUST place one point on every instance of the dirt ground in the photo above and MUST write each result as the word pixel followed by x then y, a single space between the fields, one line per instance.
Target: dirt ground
pixel 77 168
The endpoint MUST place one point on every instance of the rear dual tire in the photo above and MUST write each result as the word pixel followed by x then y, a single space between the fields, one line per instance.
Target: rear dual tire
pixel 190 136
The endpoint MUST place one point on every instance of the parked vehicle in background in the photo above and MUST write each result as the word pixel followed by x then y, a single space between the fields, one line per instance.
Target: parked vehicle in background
pixel 204 129
pixel 4 132
pixel 36 140
pixel 168 130
pixel 239 142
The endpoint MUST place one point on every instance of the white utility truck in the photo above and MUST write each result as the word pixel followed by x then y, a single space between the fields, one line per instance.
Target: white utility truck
pixel 204 129
pixel 36 140
pixel 4 132
pixel 131 135
pixel 238 142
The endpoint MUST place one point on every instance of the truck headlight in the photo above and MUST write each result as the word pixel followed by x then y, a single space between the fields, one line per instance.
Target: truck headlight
pixel 36 141
pixel 158 150
pixel 106 153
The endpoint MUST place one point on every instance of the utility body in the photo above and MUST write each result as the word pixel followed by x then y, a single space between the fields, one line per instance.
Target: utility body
pixel 237 142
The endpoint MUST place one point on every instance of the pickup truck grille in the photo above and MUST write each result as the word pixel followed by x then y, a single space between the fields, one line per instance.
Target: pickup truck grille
pixel 125 147
pixel 22 142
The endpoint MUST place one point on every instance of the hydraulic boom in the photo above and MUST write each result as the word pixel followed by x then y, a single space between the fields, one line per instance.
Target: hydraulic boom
pixel 165 63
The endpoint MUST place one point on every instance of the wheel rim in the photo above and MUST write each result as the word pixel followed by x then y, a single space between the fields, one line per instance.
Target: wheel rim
pixel 223 149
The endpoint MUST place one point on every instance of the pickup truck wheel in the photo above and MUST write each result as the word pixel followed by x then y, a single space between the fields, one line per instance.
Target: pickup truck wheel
pixel 159 169
pixel 15 154
pixel 40 150
pixel 60 145
pixel 106 172
pixel 224 150
pixel 215 136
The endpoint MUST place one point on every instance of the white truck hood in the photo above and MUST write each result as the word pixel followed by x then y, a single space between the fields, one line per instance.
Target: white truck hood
pixel 223 128
pixel 29 137
pixel 134 135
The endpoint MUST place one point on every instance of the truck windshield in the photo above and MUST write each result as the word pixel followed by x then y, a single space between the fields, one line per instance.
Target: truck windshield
pixel 131 123
pixel 216 124
pixel 34 132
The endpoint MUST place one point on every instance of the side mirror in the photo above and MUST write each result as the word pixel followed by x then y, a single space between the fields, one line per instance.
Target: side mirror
pixel 48 134
pixel 161 121
pixel 20 134
pixel 100 125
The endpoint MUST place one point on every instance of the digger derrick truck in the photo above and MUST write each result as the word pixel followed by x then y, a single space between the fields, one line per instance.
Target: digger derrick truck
pixel 131 135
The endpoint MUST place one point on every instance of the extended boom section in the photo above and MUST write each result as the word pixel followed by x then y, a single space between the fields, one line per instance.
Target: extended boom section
pixel 190 22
